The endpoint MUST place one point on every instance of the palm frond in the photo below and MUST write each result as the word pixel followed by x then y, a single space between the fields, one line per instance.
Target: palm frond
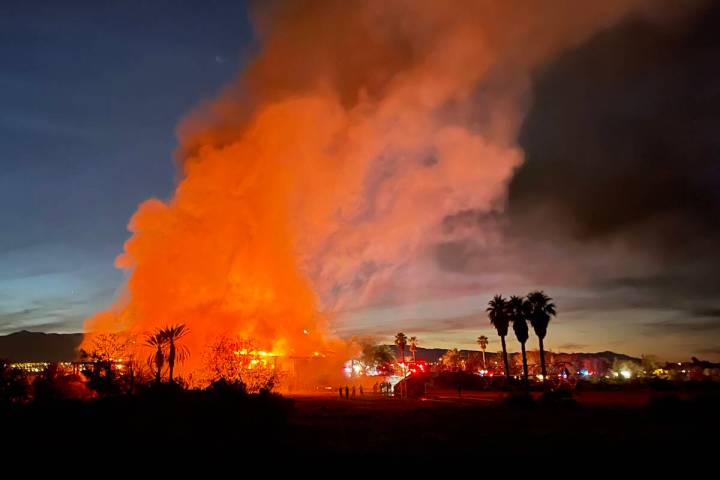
pixel 182 353
pixel 155 339
pixel 174 332
pixel 498 314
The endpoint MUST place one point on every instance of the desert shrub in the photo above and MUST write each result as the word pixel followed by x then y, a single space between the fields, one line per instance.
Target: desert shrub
pixel 14 384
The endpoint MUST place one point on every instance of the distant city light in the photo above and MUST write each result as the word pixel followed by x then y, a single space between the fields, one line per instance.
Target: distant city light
pixel 626 373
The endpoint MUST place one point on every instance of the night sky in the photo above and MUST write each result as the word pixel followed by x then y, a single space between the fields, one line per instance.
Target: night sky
pixel 91 93
pixel 615 213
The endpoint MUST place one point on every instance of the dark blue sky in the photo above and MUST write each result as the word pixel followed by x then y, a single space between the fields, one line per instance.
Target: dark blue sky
pixel 90 94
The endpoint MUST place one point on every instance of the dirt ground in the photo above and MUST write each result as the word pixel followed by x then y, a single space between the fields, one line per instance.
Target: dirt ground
pixel 207 427
pixel 447 424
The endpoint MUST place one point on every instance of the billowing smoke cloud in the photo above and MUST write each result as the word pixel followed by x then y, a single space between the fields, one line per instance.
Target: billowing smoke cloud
pixel 325 176
pixel 620 163
pixel 635 170
pixel 617 197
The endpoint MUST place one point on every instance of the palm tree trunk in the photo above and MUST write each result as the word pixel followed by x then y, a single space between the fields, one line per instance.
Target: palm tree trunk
pixel 542 360
pixel 525 365
pixel 171 361
pixel 404 386
pixel 484 367
pixel 505 358
pixel 158 366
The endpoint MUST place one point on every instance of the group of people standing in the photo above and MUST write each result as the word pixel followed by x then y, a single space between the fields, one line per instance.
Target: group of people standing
pixel 347 391
pixel 384 388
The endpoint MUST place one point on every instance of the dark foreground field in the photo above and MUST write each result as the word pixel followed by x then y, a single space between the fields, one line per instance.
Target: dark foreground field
pixel 449 426
pixel 322 426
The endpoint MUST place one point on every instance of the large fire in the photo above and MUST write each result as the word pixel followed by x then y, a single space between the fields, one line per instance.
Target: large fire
pixel 322 174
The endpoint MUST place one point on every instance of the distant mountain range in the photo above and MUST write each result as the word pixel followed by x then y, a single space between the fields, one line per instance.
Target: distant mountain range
pixel 27 346
pixel 434 354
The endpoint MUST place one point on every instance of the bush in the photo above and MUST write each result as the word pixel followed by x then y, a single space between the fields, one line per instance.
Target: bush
pixel 14 384
pixel 222 389
pixel 54 385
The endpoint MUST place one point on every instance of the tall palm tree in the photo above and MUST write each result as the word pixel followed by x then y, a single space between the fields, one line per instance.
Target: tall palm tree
pixel 413 346
pixel 176 353
pixel 482 340
pixel 499 318
pixel 157 358
pixel 401 342
pixel 540 309
pixel 518 308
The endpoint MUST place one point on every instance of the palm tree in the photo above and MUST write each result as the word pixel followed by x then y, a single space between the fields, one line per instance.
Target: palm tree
pixel 401 342
pixel 175 353
pixel 498 313
pixel 156 359
pixel 482 340
pixel 413 346
pixel 518 308
pixel 540 309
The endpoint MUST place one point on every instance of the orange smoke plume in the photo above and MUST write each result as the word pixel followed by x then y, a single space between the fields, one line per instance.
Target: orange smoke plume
pixel 318 178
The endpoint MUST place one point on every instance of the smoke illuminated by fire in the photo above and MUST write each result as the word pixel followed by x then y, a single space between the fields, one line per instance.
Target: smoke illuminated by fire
pixel 317 179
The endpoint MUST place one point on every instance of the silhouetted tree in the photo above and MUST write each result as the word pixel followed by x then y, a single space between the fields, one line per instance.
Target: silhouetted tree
pixel 54 384
pixel 239 361
pixel 401 342
pixel 482 340
pixel 540 310
pixel 156 359
pixel 379 356
pixel 518 309
pixel 499 318
pixel 176 353
pixel 413 346
pixel 14 383
pixel 452 358
pixel 109 353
